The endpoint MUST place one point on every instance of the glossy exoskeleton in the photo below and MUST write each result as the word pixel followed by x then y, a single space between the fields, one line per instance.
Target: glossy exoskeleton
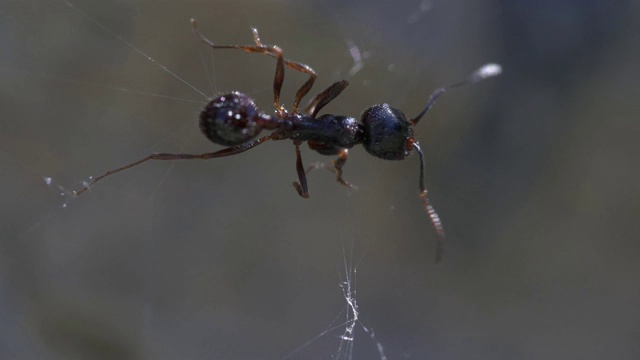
pixel 234 120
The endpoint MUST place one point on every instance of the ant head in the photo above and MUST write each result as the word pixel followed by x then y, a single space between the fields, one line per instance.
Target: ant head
pixel 387 132
pixel 231 119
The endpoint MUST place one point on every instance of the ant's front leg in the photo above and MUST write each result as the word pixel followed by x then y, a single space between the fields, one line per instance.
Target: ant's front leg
pixel 301 184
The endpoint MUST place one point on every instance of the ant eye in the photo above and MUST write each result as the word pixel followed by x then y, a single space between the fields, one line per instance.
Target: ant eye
pixel 230 119
pixel 388 134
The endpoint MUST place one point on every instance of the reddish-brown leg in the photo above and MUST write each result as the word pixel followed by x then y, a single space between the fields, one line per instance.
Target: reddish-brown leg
pixel 337 169
pixel 163 156
pixel 338 164
pixel 276 52
pixel 300 185
pixel 325 97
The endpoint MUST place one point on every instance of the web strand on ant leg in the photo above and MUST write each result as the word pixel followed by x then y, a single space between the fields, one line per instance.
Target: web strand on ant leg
pixel 484 72
pixel 431 211
pixel 164 156
pixel 259 48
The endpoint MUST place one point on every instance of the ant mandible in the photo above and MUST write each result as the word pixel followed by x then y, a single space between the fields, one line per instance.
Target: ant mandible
pixel 234 120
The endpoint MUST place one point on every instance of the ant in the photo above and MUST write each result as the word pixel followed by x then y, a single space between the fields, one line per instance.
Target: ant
pixel 234 120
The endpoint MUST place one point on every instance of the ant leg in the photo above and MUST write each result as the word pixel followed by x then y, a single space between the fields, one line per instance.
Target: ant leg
pixel 301 184
pixel 294 65
pixel 338 164
pixel 325 97
pixel 304 89
pixel 273 51
pixel 431 212
pixel 278 79
pixel 337 169
pixel 163 156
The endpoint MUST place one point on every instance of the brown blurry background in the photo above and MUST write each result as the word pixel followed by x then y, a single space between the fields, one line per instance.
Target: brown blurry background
pixel 533 174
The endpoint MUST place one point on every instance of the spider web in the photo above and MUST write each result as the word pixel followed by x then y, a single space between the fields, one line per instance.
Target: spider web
pixel 175 253
pixel 150 195
pixel 533 178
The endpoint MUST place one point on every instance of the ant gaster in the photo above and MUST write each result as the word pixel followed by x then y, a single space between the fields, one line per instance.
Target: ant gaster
pixel 235 121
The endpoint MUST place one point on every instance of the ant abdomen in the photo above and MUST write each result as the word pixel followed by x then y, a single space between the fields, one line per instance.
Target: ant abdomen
pixel 231 119
pixel 387 132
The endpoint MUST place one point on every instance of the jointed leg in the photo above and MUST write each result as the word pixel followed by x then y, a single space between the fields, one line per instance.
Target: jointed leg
pixel 431 212
pixel 338 164
pixel 301 184
pixel 276 52
pixel 325 97
pixel 304 89
pixel 337 169
pixel 163 156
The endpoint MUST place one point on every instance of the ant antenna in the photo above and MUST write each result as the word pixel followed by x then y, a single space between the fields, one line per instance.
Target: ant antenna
pixel 484 72
pixel 431 212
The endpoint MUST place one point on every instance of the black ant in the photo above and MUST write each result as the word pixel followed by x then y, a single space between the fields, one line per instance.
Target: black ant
pixel 234 120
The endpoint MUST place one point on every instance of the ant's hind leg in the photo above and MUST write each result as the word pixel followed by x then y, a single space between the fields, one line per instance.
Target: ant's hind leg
pixel 294 65
pixel 164 156
pixel 275 52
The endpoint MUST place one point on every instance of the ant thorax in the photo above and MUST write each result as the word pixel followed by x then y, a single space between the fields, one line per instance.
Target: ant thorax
pixel 327 134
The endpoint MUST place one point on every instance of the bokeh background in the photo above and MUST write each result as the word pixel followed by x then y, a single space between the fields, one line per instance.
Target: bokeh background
pixel 533 174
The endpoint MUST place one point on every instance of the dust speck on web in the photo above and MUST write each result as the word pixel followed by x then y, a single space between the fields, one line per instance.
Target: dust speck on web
pixel 65 194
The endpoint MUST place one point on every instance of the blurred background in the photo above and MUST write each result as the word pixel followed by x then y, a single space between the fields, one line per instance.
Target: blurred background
pixel 532 173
